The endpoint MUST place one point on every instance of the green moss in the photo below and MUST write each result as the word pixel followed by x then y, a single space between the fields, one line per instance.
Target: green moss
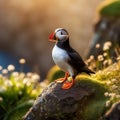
pixel 94 106
pixel 89 82
pixel 94 110
pixel 109 8
pixel 54 73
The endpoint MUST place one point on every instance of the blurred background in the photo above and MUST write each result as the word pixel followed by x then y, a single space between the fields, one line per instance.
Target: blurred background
pixel 26 24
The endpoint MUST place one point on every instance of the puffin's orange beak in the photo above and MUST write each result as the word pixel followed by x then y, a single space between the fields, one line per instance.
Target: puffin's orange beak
pixel 52 37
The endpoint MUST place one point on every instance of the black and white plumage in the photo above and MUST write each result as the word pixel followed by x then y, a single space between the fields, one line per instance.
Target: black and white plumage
pixel 66 57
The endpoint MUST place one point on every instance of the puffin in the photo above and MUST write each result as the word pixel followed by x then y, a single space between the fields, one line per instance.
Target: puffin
pixel 66 58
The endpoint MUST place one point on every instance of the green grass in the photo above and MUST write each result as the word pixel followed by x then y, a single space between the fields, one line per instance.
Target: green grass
pixel 20 111
pixel 17 95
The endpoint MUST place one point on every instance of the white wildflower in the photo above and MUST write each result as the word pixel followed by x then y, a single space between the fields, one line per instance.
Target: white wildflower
pixel 29 74
pixel 100 58
pixel 108 103
pixel 106 94
pixel 35 77
pixel 91 57
pixel 4 71
pixel 25 80
pixel 28 83
pixel 105 48
pixel 105 54
pixel 114 80
pixel 15 74
pixel 8 83
pixel 112 95
pixel 107 45
pixel 97 45
pixel 114 87
pixel 108 82
pixel 22 61
pixel 11 67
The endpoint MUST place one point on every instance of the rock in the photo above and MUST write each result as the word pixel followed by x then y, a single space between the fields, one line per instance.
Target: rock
pixel 54 103
pixel 113 113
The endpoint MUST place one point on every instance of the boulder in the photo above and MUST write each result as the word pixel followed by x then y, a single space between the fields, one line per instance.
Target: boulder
pixel 54 103
pixel 77 103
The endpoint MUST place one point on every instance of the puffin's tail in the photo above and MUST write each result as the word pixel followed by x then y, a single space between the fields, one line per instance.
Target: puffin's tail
pixel 88 71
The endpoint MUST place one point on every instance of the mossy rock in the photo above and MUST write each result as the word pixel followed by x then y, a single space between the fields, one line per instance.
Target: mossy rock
pixel 55 73
pixel 109 8
pixel 80 102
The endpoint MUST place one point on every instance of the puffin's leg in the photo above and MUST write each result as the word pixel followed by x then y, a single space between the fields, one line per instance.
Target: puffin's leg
pixel 61 80
pixel 68 84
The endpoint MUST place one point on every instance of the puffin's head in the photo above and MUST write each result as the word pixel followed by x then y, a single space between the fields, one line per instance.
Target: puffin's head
pixel 60 35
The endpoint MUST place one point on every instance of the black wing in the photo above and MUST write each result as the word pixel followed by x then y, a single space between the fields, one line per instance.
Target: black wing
pixel 75 60
pixel 77 63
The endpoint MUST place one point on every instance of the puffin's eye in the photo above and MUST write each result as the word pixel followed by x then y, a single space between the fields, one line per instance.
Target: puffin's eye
pixel 61 33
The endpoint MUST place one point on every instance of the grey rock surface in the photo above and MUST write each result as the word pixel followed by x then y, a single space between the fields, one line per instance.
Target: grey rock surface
pixel 54 103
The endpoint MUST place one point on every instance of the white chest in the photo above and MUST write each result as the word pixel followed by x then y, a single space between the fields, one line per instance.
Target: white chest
pixel 60 58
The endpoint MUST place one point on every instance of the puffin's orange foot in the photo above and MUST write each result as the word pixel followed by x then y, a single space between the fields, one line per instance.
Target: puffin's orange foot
pixel 60 80
pixel 68 85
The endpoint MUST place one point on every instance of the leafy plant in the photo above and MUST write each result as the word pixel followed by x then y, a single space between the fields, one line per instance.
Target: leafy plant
pixel 17 91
